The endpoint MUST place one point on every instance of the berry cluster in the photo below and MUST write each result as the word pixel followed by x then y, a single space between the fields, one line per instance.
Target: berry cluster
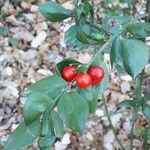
pixel 93 76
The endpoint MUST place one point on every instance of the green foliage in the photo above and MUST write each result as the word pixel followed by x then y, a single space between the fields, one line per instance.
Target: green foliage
pixel 54 12
pixel 46 143
pixel 126 53
pixel 23 135
pixel 51 86
pixel 89 35
pixel 36 104
pixel 73 110
pixel 146 110
pixel 140 29
pixel 118 34
pixel 128 104
pixel 115 24
pixel 90 96
pixel 83 11
pixel 57 124
pixel 71 39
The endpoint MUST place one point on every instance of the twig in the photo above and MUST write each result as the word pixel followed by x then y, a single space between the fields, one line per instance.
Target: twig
pixel 110 122
pixel 138 95
pixel 93 17
pixel 148 10
pixel 135 114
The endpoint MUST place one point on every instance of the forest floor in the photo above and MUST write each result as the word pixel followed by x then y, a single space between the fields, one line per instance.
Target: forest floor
pixel 30 48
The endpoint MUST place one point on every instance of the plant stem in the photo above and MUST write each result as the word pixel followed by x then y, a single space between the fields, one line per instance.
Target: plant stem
pixel 110 122
pixel 101 49
pixel 135 114
pixel 101 29
pixel 138 95
pixel 148 10
pixel 138 86
pixel 93 17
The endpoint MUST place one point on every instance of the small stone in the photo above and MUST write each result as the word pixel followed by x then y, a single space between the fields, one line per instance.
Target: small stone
pixel 1 112
pixel 22 34
pixel 66 139
pixel 115 119
pixel 125 87
pixel 29 55
pixel 14 126
pixel 38 40
pixel 7 8
pixel 108 146
pixel 11 19
pixel 84 57
pixel 24 5
pixel 99 112
pixel 89 136
pixel 14 91
pixel 34 8
pixel 44 72
pixel 126 78
pixel 40 27
pixel 31 17
pixel 59 146
pixel 9 71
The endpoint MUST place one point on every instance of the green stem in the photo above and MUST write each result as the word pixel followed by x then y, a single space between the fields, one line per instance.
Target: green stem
pixel 101 49
pixel 138 95
pixel 101 29
pixel 138 86
pixel 135 114
pixel 110 122
pixel 93 17
pixel 148 10
pixel 145 143
pixel 53 105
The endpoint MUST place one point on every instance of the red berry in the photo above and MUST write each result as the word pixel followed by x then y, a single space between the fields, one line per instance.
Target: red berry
pixel 96 73
pixel 69 73
pixel 83 80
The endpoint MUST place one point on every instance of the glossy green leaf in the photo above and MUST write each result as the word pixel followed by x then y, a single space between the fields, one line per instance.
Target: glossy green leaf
pixel 53 11
pixel 46 143
pixel 57 124
pixel 140 29
pixel 89 35
pixel 146 98
pixel 23 136
pixel 51 85
pixel 115 24
pixel 146 110
pixel 90 96
pixel 73 110
pixel 47 126
pixel 66 62
pixel 133 61
pixel 93 103
pixel 126 53
pixel 83 11
pixel 116 54
pixel 36 104
pixel 71 39
pixel 127 103
pixel 85 93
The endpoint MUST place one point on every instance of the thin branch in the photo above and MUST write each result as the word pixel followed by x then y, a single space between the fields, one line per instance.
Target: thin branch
pixel 138 95
pixel 148 10
pixel 93 15
pixel 135 114
pixel 110 122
